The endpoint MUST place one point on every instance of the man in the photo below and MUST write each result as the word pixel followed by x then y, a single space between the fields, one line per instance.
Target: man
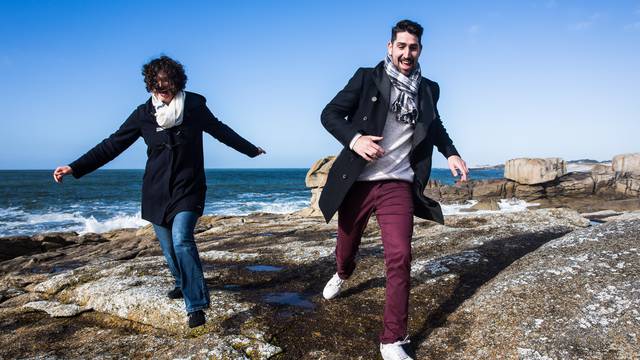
pixel 387 120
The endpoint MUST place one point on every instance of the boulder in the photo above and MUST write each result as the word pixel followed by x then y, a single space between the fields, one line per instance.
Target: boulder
pixel 628 186
pixel 626 164
pixel 529 192
pixel 458 192
pixel 534 171
pixel 603 179
pixel 492 189
pixel 577 184
pixel 316 178
pixel 317 174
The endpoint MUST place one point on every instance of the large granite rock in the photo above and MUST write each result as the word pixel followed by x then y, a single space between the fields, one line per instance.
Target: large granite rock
pixel 587 191
pixel 577 297
pixel 627 164
pixel 266 274
pixel 534 171
pixel 317 174
pixel 315 179
pixel 603 180
pixel 628 186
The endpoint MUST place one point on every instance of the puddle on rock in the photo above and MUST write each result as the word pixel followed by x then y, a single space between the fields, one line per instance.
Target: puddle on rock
pixel 266 234
pixel 289 298
pixel 264 268
pixel 596 222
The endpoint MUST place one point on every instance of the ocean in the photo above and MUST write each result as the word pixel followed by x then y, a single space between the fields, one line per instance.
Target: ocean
pixel 31 202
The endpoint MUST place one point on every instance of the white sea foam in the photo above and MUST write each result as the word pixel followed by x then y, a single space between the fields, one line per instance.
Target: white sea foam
pixel 453 209
pixel 505 205
pixel 15 221
pixel 283 206
pixel 19 222
pixel 11 212
pixel 513 205
pixel 119 221
pixel 35 219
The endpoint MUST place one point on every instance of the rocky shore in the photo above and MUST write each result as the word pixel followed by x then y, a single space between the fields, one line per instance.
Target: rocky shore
pixel 543 283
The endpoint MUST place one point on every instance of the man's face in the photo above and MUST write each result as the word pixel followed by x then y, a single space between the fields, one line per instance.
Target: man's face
pixel 404 51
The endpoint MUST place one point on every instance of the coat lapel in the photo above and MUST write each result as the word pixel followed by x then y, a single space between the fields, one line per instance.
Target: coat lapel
pixel 426 115
pixel 383 84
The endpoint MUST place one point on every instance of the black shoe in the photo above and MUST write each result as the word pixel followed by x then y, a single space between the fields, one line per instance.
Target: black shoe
pixel 196 318
pixel 176 293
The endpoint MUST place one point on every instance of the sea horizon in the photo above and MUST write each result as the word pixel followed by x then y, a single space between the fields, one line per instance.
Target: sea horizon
pixel 107 199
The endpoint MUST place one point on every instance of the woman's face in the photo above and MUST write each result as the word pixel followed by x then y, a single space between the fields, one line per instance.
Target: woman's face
pixel 164 90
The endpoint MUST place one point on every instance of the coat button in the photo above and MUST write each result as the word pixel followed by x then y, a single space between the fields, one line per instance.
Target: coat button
pixel 344 176
pixel 374 99
pixel 364 118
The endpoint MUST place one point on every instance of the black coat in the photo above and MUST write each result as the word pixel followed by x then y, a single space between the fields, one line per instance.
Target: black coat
pixel 361 107
pixel 174 177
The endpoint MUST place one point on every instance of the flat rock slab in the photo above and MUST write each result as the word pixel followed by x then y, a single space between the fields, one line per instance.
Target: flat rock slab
pixel 135 290
pixel 56 309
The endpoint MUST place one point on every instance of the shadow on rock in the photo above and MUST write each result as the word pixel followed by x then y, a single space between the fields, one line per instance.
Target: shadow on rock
pixel 498 254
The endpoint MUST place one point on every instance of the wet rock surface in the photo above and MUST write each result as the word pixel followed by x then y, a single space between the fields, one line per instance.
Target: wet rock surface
pixel 266 274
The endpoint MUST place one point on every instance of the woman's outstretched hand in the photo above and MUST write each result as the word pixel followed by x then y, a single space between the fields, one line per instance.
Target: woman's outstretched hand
pixel 60 172
pixel 261 151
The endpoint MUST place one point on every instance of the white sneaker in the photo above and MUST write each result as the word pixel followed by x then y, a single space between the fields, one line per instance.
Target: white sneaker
pixel 395 351
pixel 332 289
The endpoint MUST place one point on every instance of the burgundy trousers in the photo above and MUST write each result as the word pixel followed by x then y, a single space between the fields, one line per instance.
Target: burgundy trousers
pixel 392 203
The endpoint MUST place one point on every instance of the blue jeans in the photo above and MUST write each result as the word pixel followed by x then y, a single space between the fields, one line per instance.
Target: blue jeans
pixel 179 248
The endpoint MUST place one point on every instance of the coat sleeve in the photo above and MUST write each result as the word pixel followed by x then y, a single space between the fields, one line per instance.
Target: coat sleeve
pixel 437 132
pixel 109 148
pixel 336 116
pixel 223 133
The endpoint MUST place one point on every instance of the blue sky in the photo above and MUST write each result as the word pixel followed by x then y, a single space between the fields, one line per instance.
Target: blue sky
pixel 518 78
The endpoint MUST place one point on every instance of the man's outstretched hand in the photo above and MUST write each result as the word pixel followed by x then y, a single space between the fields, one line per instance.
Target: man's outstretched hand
pixel 457 164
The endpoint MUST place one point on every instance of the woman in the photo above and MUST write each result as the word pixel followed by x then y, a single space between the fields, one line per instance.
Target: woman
pixel 171 123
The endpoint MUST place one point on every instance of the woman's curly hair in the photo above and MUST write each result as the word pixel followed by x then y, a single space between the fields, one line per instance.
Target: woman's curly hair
pixel 171 68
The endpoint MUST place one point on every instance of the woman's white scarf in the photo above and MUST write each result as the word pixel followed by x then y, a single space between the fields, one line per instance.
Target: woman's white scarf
pixel 168 116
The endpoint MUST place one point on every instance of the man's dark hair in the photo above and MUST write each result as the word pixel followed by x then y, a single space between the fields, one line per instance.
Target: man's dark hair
pixel 409 26
pixel 171 68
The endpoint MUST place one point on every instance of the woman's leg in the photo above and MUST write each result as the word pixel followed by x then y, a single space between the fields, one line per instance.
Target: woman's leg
pixel 166 244
pixel 194 288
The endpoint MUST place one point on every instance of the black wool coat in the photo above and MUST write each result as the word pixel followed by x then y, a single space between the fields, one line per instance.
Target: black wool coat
pixel 174 177
pixel 361 107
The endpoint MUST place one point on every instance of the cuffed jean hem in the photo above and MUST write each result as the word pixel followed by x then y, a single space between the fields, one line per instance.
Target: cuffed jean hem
pixel 196 308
